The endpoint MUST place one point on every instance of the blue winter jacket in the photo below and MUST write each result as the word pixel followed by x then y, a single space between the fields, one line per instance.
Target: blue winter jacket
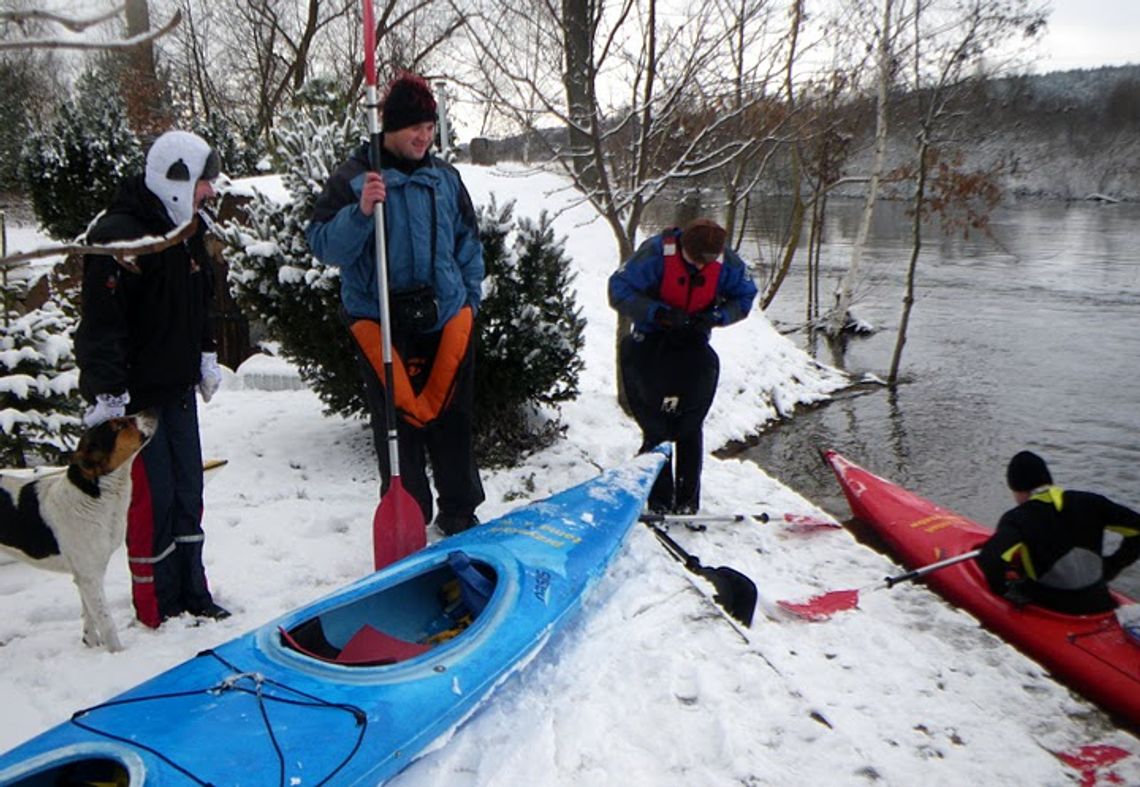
pixel 430 228
pixel 635 287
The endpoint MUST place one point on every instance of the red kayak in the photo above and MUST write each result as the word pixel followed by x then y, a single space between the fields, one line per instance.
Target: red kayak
pixel 1090 653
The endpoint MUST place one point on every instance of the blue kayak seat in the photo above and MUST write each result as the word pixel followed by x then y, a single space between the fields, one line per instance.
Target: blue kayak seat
pixel 475 587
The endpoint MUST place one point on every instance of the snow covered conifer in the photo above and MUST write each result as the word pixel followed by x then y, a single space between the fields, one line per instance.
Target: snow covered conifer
pixel 39 405
pixel 274 276
pixel 73 167
pixel 530 335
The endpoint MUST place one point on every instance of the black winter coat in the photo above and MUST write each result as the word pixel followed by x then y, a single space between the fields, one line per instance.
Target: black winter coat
pixel 143 332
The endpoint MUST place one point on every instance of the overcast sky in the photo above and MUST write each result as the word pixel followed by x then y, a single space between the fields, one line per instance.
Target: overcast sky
pixel 1086 33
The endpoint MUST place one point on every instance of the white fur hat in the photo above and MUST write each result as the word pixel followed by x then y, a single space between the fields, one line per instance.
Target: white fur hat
pixel 174 164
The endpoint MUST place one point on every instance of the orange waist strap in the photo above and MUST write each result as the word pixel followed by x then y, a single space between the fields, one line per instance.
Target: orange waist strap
pixel 421 409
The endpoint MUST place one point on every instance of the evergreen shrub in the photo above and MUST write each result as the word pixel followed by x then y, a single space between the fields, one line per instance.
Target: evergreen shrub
pixel 72 168
pixel 39 381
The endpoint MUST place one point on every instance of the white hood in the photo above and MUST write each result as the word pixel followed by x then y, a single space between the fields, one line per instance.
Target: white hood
pixel 174 164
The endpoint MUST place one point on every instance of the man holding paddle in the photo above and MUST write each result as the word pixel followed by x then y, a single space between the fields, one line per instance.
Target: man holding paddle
pixel 393 206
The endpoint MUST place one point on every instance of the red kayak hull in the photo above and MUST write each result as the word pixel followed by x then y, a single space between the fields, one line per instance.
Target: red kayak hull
pixel 1092 654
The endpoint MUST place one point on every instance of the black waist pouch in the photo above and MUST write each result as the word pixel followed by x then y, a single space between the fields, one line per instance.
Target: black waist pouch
pixel 414 311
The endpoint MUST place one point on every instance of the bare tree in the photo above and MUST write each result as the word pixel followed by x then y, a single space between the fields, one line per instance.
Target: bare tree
pixel 838 315
pixel 947 39
pixel 647 100
pixel 646 104
pixel 251 60
pixel 753 68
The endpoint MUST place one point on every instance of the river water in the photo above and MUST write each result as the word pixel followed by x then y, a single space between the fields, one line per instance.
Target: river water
pixel 1027 340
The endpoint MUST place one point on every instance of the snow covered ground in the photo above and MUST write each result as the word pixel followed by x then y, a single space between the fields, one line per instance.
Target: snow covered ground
pixel 648 685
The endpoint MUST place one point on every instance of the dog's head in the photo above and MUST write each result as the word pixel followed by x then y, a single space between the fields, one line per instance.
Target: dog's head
pixel 109 446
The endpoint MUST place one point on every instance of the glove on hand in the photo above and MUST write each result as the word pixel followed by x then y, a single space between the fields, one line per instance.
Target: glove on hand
pixel 106 407
pixel 670 318
pixel 707 320
pixel 211 379
pixel 1016 594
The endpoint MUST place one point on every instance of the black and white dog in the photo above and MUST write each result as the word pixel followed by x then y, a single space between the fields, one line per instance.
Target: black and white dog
pixel 74 520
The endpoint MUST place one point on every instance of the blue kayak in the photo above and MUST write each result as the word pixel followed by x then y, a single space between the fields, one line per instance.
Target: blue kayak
pixel 352 688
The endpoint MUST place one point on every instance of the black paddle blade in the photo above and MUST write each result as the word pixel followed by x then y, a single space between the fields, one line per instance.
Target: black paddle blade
pixel 735 592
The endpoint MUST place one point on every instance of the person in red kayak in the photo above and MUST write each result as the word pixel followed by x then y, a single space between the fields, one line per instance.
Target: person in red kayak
pixel 1053 543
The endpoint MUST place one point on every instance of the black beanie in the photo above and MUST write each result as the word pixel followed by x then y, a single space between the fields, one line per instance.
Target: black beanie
pixel 703 240
pixel 1026 472
pixel 407 101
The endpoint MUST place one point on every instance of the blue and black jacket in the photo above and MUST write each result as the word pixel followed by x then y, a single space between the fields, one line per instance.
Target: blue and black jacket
pixel 431 232
pixel 635 287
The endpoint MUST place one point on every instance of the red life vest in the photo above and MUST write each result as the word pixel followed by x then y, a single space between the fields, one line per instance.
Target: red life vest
pixel 682 287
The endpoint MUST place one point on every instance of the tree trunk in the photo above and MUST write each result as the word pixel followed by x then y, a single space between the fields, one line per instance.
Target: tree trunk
pixel 578 82
pixel 624 326
pixel 915 250
pixel 838 315
pixel 141 88
pixel 795 231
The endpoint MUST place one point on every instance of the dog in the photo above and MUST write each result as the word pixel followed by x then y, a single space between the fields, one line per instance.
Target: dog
pixel 74 520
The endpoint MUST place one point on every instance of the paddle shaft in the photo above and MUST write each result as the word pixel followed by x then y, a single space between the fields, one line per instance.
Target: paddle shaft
pixel 675 549
pixel 696 519
pixel 930 568
pixel 381 248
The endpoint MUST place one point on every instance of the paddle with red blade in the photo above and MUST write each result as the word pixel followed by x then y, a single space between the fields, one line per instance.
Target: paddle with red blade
pixel 398 527
pixel 797 522
pixel 823 606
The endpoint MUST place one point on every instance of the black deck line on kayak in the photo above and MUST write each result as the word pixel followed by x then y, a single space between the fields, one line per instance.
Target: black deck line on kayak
pixel 230 683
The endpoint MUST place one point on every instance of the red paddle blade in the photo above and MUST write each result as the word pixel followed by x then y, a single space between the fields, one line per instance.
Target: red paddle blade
pixel 1089 761
pixel 369 44
pixel 804 523
pixel 398 527
pixel 822 607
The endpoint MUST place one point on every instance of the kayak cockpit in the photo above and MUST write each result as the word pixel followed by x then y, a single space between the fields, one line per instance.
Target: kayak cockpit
pixel 398 622
pixel 81 772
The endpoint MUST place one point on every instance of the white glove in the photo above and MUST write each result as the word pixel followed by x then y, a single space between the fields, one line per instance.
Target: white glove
pixel 211 376
pixel 106 407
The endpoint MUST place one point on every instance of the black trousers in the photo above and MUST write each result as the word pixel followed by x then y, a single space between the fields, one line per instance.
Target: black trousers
pixel 447 442
pixel 670 381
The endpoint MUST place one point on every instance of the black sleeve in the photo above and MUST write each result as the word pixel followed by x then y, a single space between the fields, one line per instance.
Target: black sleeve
pixel 101 343
pixel 205 262
pixel 1126 522
pixel 991 560
pixel 337 191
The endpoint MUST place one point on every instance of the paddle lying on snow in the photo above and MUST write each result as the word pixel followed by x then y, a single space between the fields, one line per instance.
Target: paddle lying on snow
pixel 735 592
pixel 398 527
pixel 699 521
pixel 821 607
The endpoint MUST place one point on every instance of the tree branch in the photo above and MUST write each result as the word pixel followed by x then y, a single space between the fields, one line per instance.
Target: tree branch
pixel 123 251
pixel 125 43
pixel 75 25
